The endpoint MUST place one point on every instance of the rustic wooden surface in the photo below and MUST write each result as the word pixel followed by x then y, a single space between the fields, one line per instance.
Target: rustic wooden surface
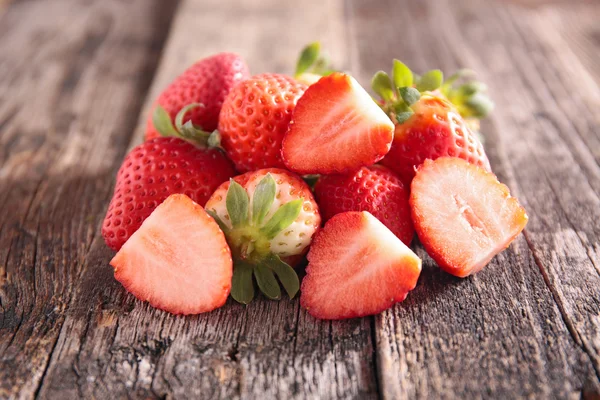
pixel 76 79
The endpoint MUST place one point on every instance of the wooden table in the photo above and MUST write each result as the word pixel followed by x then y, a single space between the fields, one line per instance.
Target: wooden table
pixel 76 79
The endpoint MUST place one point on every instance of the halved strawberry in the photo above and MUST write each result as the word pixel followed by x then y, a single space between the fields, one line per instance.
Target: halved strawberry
pixel 336 127
pixel 463 215
pixel 178 260
pixel 357 267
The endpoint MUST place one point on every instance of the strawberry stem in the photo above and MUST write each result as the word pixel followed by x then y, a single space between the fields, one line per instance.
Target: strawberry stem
pixel 187 131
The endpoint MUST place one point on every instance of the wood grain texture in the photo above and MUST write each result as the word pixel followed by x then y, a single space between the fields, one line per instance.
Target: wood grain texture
pixel 71 79
pixel 114 345
pixel 528 325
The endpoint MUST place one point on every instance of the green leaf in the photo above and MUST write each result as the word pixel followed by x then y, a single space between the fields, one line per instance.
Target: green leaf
pixel 479 105
pixel 286 274
pixel 403 116
pixel 460 74
pixel 401 107
pixel 282 218
pixel 263 198
pixel 162 122
pixel 237 204
pixel 470 88
pixel 401 74
pixel 307 58
pixel 430 80
pixel 409 95
pixel 190 131
pixel 322 66
pixel 181 114
pixel 267 282
pixel 382 85
pixel 218 220
pixel 214 140
pixel 242 287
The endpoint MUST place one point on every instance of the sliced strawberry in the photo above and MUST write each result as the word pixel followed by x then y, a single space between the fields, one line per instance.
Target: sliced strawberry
pixel 463 215
pixel 336 127
pixel 357 267
pixel 178 260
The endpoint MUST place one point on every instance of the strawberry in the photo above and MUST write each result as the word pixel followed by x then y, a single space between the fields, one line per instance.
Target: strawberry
pixel 336 127
pixel 269 217
pixel 375 189
pixel 357 267
pixel 428 126
pixel 462 214
pixel 154 170
pixel 254 119
pixel 178 260
pixel 207 82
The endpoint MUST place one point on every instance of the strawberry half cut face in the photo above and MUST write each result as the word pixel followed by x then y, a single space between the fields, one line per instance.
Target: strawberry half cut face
pixel 178 260
pixel 336 127
pixel 463 215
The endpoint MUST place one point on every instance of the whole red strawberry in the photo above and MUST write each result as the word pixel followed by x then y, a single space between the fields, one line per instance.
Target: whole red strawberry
pixel 269 218
pixel 254 119
pixel 375 189
pixel 207 82
pixel 428 125
pixel 154 170
pixel 434 130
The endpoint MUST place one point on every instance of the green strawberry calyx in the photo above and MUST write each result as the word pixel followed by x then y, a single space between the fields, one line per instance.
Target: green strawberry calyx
pixel 404 88
pixel 468 95
pixel 313 62
pixel 188 130
pixel 249 238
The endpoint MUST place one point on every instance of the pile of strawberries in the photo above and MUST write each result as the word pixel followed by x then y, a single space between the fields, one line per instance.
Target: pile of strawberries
pixel 238 173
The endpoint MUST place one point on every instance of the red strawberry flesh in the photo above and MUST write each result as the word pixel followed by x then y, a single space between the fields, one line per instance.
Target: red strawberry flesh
pixel 463 215
pixel 336 127
pixel 178 260
pixel 357 267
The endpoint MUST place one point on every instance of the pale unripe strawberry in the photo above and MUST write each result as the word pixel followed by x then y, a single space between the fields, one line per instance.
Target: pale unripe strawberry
pixel 269 217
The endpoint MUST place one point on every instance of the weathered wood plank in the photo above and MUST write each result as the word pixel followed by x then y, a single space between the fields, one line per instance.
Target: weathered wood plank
pixel 72 77
pixel 552 162
pixel 527 325
pixel 114 345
